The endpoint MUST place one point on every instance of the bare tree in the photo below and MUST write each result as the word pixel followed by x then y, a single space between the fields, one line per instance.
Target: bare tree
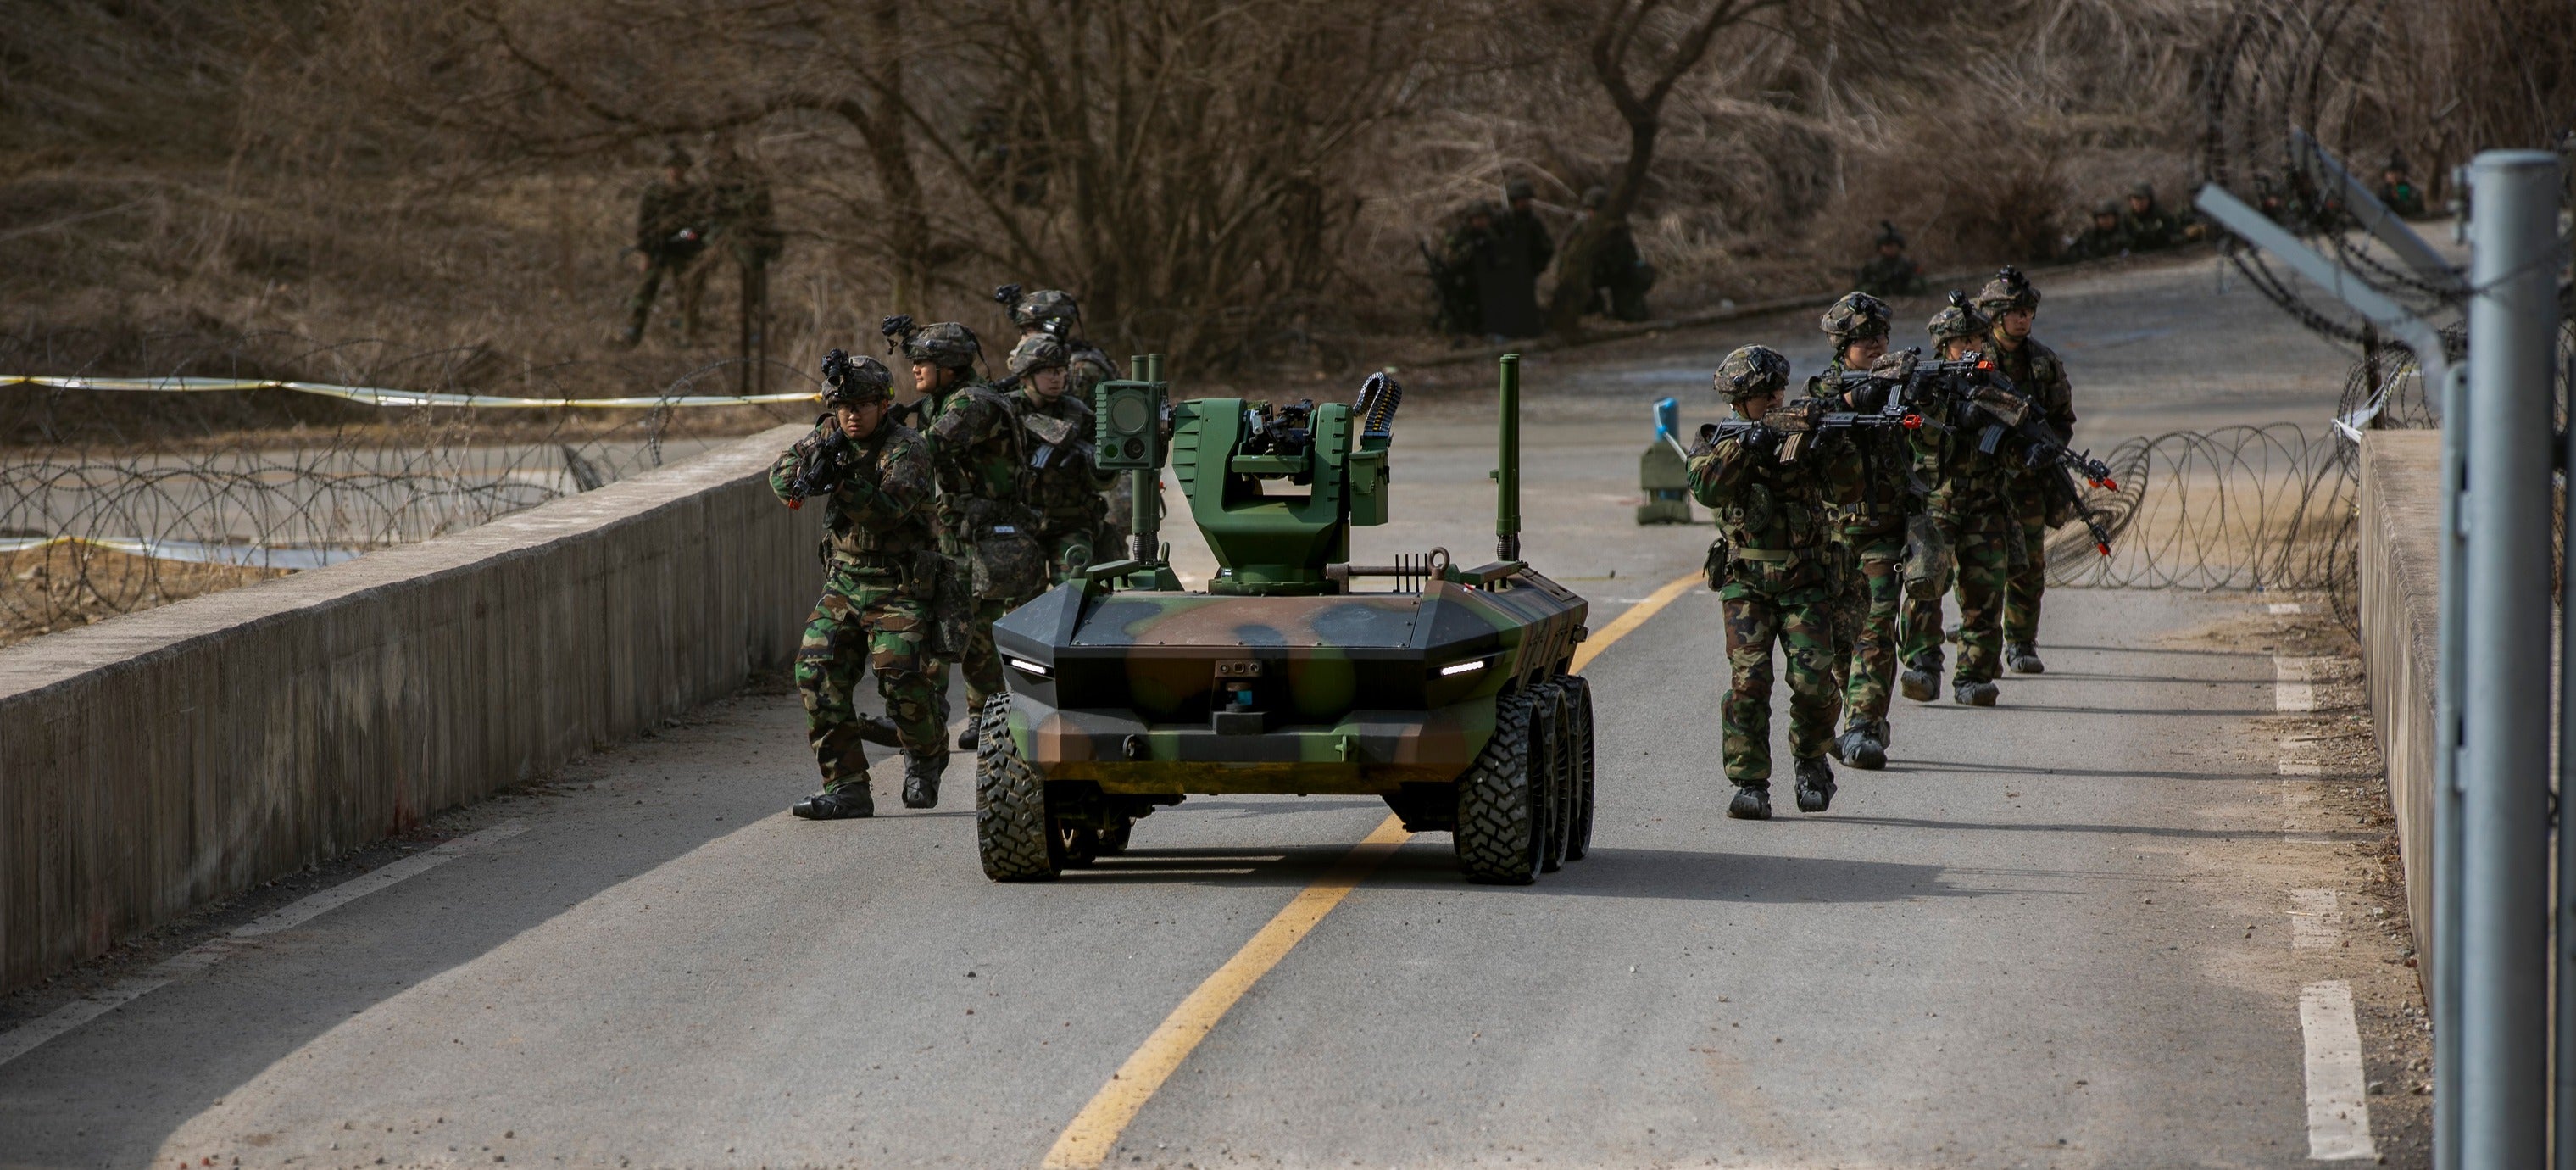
pixel 1640 49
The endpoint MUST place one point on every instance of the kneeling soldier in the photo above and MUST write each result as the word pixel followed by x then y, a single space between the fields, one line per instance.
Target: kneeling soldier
pixel 1773 494
pixel 881 564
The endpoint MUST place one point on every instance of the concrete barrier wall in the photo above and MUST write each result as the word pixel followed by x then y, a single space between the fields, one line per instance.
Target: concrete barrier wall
pixel 159 760
pixel 2401 502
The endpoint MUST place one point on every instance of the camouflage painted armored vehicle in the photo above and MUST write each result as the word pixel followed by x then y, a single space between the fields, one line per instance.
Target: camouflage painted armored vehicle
pixel 1444 690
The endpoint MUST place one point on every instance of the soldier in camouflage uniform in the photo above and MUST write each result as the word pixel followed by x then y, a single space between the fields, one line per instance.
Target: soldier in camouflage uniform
pixel 874 481
pixel 1053 312
pixel 2040 376
pixel 1064 486
pixel 979 452
pixel 1890 273
pixel 2150 226
pixel 1960 537
pixel 1869 542
pixel 2399 193
pixel 2106 238
pixel 672 223
pixel 1773 499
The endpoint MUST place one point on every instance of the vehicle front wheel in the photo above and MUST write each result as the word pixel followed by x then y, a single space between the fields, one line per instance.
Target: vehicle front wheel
pixel 1014 834
pixel 1502 812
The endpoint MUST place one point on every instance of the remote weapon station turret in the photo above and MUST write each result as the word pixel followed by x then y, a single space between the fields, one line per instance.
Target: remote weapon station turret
pixel 1445 690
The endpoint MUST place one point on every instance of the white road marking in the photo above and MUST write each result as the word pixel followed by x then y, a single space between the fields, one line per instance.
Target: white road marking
pixel 26 1037
pixel 2284 607
pixel 2294 686
pixel 2338 1104
pixel 2315 924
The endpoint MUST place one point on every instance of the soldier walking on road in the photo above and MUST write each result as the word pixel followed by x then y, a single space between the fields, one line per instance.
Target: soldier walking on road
pixel 2040 376
pixel 1054 312
pixel 1772 505
pixel 1064 485
pixel 1891 273
pixel 1869 539
pixel 873 477
pixel 1962 536
pixel 979 451
pixel 672 223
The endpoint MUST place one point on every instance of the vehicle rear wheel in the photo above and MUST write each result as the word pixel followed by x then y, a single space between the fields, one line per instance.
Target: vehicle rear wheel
pixel 1557 778
pixel 1578 839
pixel 1014 833
pixel 1502 813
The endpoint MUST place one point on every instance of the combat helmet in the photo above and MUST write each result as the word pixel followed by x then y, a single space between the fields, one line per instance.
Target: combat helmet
pixel 854 381
pixel 1887 234
pixel 1596 197
pixel 1050 309
pixel 2110 207
pixel 1039 351
pixel 1519 189
pixel 2009 290
pixel 946 344
pixel 2143 189
pixel 1857 317
pixel 1959 320
pixel 1751 372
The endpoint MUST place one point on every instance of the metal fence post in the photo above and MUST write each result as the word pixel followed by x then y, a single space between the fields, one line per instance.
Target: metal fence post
pixel 2504 847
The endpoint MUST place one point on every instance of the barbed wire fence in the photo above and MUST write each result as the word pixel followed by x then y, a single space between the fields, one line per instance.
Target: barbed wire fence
pixel 244 460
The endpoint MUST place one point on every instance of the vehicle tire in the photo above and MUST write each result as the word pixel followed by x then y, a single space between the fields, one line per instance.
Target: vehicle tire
pixel 1014 834
pixel 1578 839
pixel 1502 813
pixel 1556 779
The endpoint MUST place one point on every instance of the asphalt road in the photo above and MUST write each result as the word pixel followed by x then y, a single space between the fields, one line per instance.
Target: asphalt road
pixel 2056 932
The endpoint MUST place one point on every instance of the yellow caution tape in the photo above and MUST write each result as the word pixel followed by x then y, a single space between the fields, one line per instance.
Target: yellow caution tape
pixel 378 397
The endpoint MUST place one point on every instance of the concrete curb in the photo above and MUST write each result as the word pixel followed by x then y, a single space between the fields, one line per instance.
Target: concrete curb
pixel 2401 502
pixel 163 759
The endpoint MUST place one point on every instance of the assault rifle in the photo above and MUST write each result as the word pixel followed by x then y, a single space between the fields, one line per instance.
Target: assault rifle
pixel 1970 397
pixel 1790 424
pixel 821 459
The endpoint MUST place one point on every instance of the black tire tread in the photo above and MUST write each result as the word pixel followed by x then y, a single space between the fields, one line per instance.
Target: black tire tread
pixel 1495 833
pixel 1578 843
pixel 1012 833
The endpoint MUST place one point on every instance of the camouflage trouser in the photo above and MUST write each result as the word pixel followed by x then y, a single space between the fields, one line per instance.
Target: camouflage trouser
pixel 1865 622
pixel 1800 621
pixel 1970 549
pixel 982 662
pixel 688 278
pixel 864 621
pixel 2028 579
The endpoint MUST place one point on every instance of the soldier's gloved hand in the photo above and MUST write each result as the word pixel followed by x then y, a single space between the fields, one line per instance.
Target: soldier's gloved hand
pixel 1763 439
pixel 1867 397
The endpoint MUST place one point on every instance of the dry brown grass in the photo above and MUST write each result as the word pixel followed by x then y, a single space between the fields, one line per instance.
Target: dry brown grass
pixel 392 171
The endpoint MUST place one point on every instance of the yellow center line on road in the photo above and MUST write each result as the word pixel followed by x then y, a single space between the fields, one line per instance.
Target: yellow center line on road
pixel 1087 1142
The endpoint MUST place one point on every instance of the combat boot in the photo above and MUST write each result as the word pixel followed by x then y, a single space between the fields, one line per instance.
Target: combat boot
pixel 1752 803
pixel 1920 681
pixel 843 803
pixel 1815 785
pixel 879 731
pixel 921 780
pixel 2023 658
pixel 1974 694
pixel 1863 746
pixel 967 739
